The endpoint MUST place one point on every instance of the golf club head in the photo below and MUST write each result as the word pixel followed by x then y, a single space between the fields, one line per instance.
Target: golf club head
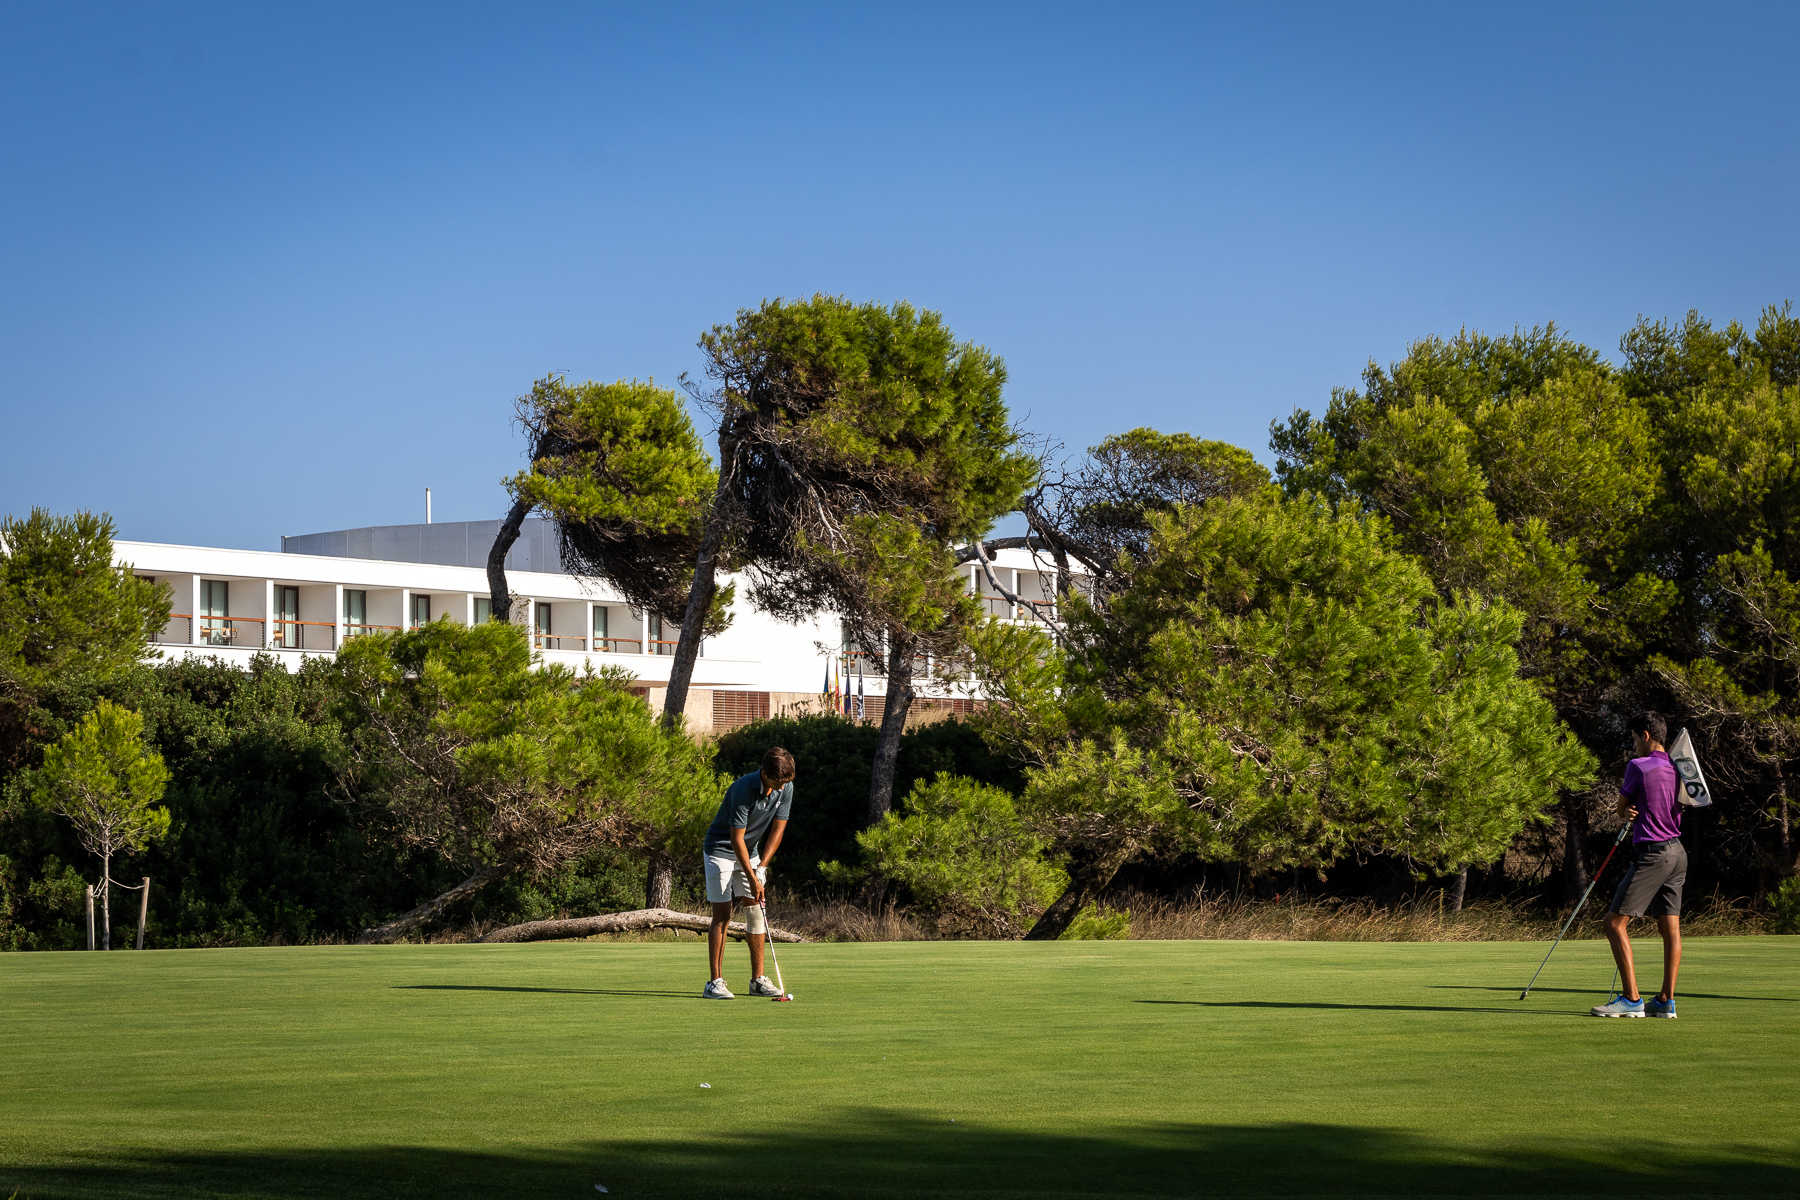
pixel 784 998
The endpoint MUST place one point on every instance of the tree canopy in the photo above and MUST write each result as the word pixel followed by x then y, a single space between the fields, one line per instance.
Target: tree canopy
pixel 72 623
pixel 1278 685
pixel 500 765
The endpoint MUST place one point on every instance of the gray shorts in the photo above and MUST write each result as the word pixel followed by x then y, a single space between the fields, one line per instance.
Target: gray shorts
pixel 1653 881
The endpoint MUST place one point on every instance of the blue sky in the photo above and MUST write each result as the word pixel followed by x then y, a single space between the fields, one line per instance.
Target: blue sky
pixel 273 270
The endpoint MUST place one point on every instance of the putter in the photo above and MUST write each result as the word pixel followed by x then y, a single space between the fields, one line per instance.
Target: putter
pixel 1617 842
pixel 774 961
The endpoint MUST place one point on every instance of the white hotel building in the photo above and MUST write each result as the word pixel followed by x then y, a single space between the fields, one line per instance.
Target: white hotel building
pixel 320 589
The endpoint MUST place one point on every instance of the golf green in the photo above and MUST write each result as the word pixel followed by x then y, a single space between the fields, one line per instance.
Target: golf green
pixel 902 1069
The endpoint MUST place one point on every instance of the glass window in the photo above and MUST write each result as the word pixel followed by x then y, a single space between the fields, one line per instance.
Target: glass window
pixel 421 611
pixel 356 610
pixel 599 626
pixel 215 605
pixel 286 633
pixel 484 609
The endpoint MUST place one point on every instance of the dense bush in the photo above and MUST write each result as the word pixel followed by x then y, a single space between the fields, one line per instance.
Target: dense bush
pixel 964 852
pixel 263 847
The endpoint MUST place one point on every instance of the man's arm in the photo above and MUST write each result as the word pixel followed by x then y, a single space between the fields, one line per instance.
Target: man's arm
pixel 771 840
pixel 743 857
pixel 1630 788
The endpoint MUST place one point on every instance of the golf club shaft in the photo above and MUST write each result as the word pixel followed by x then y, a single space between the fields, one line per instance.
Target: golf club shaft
pixel 1582 903
pixel 774 961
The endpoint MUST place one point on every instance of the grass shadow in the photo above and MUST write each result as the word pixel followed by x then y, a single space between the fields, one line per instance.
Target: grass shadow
pixel 885 1155
pixel 484 987
pixel 1680 993
pixel 1331 1004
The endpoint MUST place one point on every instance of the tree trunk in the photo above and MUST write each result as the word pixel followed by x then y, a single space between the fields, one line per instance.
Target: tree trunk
pixel 1787 836
pixel 106 901
pixel 659 880
pixel 893 725
pixel 625 922
pixel 700 598
pixel 1088 876
pixel 499 598
pixel 404 924
pixel 1458 889
pixel 1575 876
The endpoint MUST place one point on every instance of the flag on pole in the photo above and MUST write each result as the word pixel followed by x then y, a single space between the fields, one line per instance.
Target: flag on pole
pixel 861 707
pixel 825 688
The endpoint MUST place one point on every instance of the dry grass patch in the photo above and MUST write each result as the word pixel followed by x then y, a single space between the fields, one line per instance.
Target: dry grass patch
pixel 1423 919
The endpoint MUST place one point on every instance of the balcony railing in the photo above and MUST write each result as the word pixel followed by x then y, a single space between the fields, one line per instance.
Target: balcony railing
pixel 663 646
pixel 868 661
pixel 358 628
pixel 559 641
pixel 178 632
pixel 997 606
pixel 232 631
pixel 286 633
pixel 618 645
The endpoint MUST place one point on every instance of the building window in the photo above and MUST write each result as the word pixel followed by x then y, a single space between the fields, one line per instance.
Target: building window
pixel 356 611
pixel 870 659
pixel 215 607
pixel 484 609
pixel 658 643
pixel 421 611
pixel 286 633
pixel 600 628
pixel 733 710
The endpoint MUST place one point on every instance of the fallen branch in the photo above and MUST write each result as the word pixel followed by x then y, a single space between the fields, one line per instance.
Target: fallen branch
pixel 625 922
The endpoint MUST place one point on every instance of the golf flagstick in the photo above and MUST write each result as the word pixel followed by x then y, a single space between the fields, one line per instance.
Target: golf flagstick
pixel 1617 842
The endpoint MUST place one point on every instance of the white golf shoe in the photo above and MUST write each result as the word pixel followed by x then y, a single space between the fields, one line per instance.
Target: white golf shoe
pixel 761 986
pixel 716 990
pixel 1618 1006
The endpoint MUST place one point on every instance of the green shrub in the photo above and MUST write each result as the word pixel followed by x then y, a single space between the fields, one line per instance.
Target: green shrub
pixel 1096 924
pixel 963 851
pixel 1784 902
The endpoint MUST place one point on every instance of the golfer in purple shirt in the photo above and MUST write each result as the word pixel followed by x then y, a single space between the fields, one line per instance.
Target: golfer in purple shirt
pixel 1653 882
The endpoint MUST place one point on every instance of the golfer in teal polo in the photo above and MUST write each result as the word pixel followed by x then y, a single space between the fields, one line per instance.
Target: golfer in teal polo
pixel 740 845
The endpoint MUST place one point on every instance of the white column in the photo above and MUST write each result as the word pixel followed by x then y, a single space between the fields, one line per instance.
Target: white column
pixel 337 641
pixel 268 634
pixel 194 610
pixel 587 628
pixel 405 608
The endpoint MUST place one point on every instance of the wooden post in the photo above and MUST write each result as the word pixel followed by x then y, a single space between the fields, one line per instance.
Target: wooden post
pixel 90 915
pixel 143 911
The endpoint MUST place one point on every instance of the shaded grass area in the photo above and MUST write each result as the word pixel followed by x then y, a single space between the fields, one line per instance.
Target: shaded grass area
pixel 1060 1070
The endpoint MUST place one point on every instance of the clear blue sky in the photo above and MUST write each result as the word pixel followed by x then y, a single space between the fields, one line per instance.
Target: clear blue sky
pixel 273 269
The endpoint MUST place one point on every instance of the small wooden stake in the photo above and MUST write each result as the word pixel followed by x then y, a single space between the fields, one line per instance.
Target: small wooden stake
pixel 90 915
pixel 143 911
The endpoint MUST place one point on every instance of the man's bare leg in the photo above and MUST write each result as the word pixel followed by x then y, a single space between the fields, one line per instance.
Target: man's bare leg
pixel 1670 928
pixel 715 938
pixel 1621 948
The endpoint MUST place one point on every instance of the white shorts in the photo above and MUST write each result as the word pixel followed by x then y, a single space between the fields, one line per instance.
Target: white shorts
pixel 725 878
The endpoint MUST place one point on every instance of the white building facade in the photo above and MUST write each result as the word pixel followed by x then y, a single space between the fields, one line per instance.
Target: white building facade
pixel 235 604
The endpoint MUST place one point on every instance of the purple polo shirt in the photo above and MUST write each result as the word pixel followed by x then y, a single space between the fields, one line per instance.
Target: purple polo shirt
pixel 1650 784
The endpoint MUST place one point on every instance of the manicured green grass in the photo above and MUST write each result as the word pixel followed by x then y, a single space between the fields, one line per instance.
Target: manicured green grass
pixel 1074 1069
